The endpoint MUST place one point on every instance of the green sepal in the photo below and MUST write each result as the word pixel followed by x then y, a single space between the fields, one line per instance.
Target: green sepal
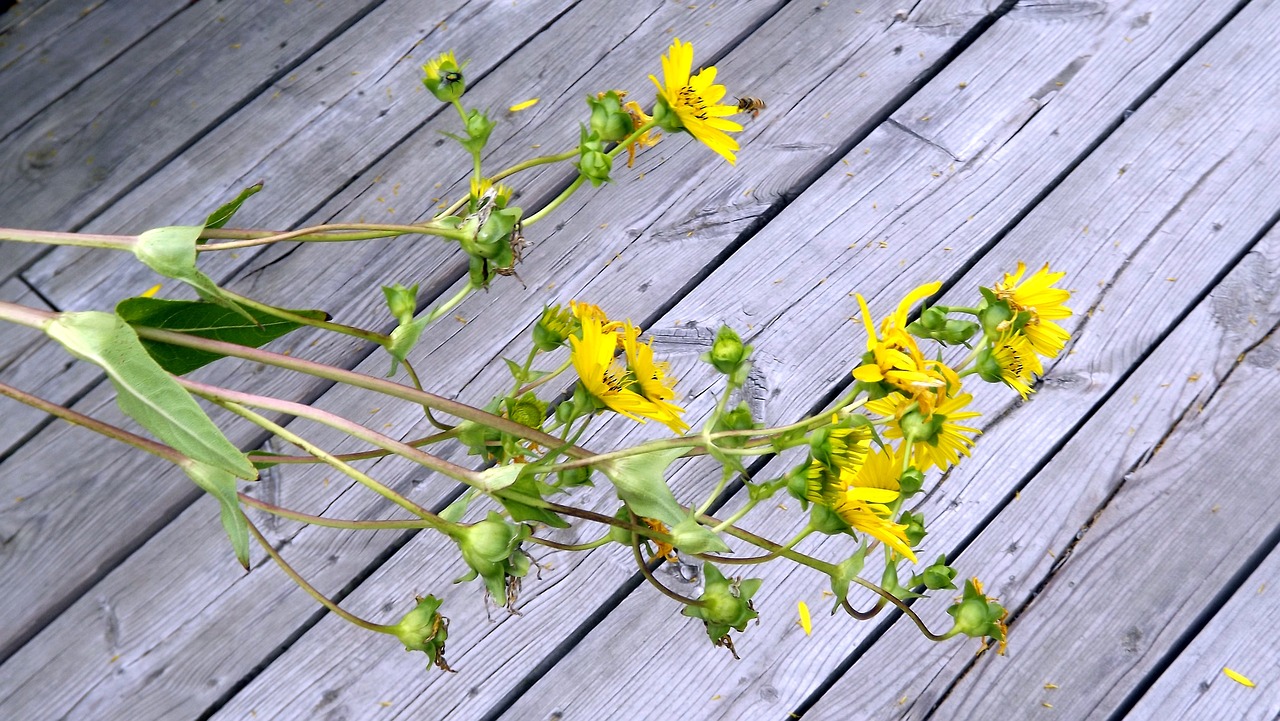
pixel 523 512
pixel 171 252
pixel 936 577
pixel 845 572
pixel 403 339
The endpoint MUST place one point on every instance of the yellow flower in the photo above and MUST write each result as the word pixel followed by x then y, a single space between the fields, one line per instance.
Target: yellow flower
pixel 648 139
pixel 443 77
pixel 1037 297
pixel 1019 365
pixel 651 381
pixel 610 381
pixel 896 358
pixel 832 468
pixel 695 101
pixel 936 438
pixel 874 519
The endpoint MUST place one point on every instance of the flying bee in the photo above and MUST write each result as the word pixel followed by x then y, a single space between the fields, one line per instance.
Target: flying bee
pixel 748 104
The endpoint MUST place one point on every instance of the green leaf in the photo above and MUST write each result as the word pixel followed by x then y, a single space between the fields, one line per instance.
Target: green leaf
pixel 641 483
pixel 171 252
pixel 145 392
pixel 692 537
pixel 495 478
pixel 219 217
pixel 524 512
pixel 222 486
pixel 206 320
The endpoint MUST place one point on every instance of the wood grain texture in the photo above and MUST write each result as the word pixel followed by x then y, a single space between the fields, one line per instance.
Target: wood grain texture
pixel 1195 685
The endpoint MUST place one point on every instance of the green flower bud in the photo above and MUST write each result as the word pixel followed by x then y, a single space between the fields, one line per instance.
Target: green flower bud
pixel 910 482
pixel 527 410
pixel 977 616
pixel 424 629
pixel 915 531
pixel 665 116
pixel 609 120
pixel 738 419
pixel 491 549
pixel 936 577
pixel 479 126
pixel 621 535
pixel 987 366
pixel 729 356
pixel 993 313
pixel 935 325
pixel 443 77
pixel 826 521
pixel 574 477
pixel 553 328
pixel 593 162
pixel 922 429
pixel 724 605
pixel 402 301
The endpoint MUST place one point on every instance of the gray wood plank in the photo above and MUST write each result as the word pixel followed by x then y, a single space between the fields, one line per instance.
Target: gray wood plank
pixel 42 368
pixel 105 134
pixel 511 648
pixel 152 695
pixel 1195 686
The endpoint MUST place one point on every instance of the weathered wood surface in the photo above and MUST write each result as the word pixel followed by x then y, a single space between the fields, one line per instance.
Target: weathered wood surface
pixel 1190 156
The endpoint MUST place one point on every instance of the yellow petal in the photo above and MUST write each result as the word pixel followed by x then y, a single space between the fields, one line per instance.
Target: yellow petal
pixel 149 292
pixel 807 623
pixel 1237 677
pixel 523 106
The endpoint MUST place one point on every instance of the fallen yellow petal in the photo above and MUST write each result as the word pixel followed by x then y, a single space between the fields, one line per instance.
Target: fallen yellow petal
pixel 1237 677
pixel 523 106
pixel 151 291
pixel 805 622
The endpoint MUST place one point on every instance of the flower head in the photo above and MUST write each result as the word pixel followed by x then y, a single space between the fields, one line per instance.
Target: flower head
pixel 894 359
pixel 694 102
pixel 443 77
pixel 647 139
pixel 1015 362
pixel 1043 304
pixel 637 388
pixel 937 439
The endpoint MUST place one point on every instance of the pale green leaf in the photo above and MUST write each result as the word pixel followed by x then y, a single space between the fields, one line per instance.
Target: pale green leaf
pixel 219 217
pixel 145 392
pixel 171 252
pixel 495 478
pixel 641 483
pixel 222 486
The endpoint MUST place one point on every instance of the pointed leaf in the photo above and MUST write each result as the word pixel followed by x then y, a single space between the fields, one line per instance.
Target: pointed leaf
pixel 693 537
pixel 206 320
pixel 403 339
pixel 222 486
pixel 641 483
pixel 524 512
pixel 496 478
pixel 171 252
pixel 219 217
pixel 145 392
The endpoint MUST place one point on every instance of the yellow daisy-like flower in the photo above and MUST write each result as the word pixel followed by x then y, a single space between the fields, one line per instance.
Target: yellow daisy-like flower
pixel 608 379
pixel 1015 354
pixel 937 439
pixel 867 492
pixel 875 520
pixel 1037 296
pixel 648 139
pixel 651 381
pixel 896 358
pixel 695 101
pixel 845 451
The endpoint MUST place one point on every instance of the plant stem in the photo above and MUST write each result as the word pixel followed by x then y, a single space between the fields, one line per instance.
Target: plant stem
pixel 648 574
pixel 413 376
pixel 556 201
pixel 369 335
pixel 360 477
pixel 95 425
pixel 260 457
pixel 22 315
pixel 602 541
pixel 330 522
pixel 901 606
pixel 319 234
pixel 358 380
pixel 311 590
pixel 84 240
pixel 449 305
pixel 533 162
pixel 225 395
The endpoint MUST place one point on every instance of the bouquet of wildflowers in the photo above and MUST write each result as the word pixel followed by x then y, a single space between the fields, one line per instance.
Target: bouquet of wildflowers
pixel 861 460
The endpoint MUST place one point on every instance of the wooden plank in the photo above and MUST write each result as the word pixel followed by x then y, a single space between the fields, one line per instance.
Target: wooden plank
pixel 42 368
pixel 105 134
pixel 712 685
pixel 146 650
pixel 511 649
pixel 1195 686
pixel 1184 521
pixel 102 536
pixel 65 42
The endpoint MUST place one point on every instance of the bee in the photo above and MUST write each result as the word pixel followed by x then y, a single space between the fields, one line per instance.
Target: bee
pixel 748 104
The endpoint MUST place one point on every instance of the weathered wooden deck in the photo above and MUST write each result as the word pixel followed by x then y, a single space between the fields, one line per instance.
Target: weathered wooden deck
pixel 1127 516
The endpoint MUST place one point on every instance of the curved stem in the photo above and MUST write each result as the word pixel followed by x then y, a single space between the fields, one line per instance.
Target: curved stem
pixel 556 201
pixel 534 162
pixel 449 305
pixel 602 541
pixel 413 376
pixel 653 580
pixel 544 379
pixel 863 615
pixel 311 590
pixel 901 606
